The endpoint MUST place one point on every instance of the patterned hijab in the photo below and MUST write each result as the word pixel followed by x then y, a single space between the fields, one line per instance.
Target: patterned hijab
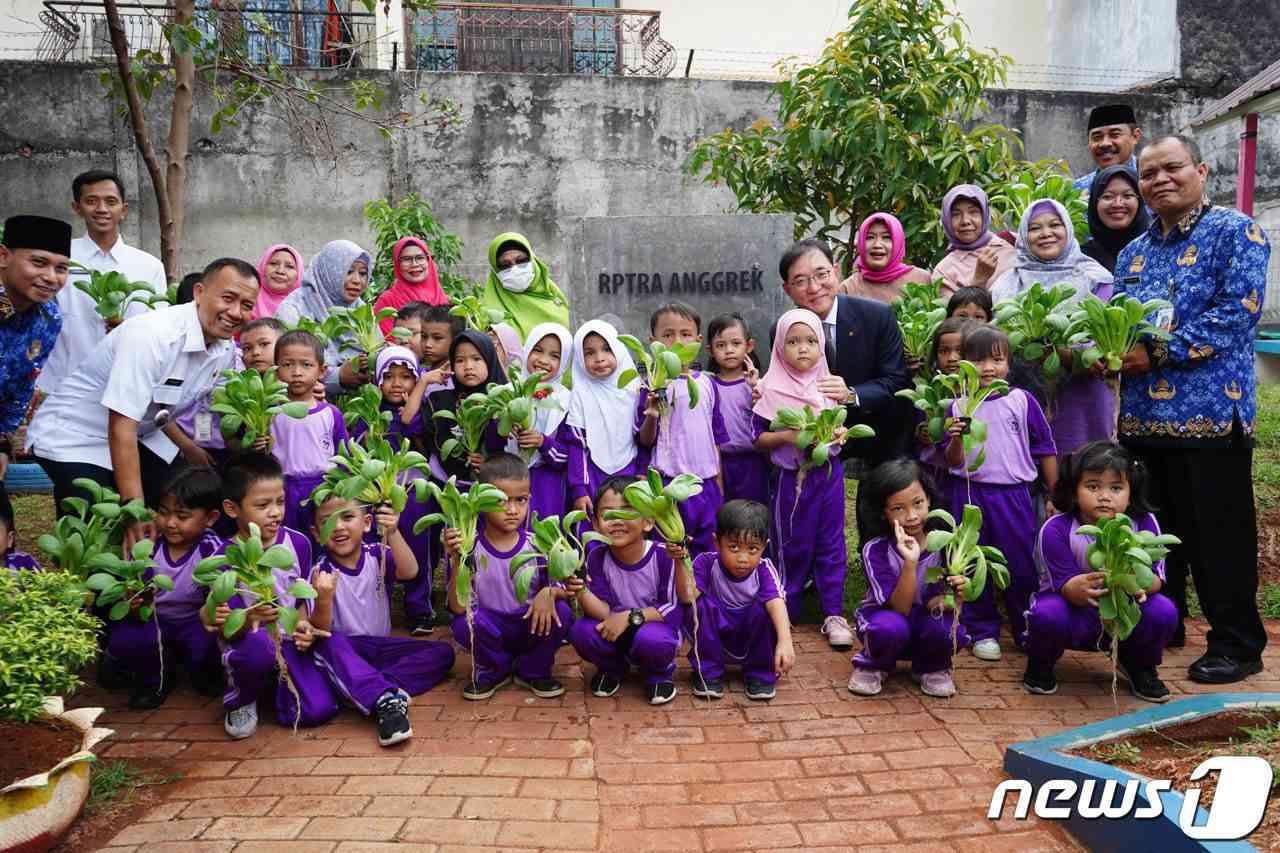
pixel 321 288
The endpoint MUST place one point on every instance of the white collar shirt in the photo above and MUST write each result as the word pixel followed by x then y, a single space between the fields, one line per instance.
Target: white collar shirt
pixel 82 328
pixel 155 362
pixel 829 325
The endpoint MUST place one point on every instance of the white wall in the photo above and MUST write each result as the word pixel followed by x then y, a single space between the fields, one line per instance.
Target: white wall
pixel 20 28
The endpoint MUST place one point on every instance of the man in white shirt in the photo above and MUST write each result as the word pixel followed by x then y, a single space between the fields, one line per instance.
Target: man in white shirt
pixel 105 421
pixel 98 199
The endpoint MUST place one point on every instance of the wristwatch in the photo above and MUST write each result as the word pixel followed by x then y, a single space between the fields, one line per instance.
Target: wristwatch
pixel 853 396
pixel 636 618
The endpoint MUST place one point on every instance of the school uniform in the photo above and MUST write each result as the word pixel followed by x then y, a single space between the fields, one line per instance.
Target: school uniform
pixel 305 449
pixel 888 636
pixel 499 637
pixel 22 561
pixel 584 475
pixel 733 624
pixel 361 659
pixel 548 486
pixel 1017 436
pixel 745 469
pixel 649 582
pixel 1054 624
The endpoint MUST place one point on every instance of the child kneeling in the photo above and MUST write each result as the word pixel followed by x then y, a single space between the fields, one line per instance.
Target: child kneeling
pixel 1099 481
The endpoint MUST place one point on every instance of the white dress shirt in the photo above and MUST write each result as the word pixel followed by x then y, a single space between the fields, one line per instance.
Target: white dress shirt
pixel 829 327
pixel 153 362
pixel 82 328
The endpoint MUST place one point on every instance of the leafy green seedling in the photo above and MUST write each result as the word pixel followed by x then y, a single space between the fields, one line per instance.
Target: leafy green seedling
pixel 513 404
pixel 1012 199
pixel 962 555
pixel 919 312
pixel 1111 329
pixel 359 325
pixel 470 420
pixel 112 293
pixel 662 365
pixel 475 314
pixel 1036 321
pixel 818 432
pixel 365 406
pixel 934 397
pixel 554 541
pixel 90 529
pixel 248 401
pixel 970 395
pixel 130 587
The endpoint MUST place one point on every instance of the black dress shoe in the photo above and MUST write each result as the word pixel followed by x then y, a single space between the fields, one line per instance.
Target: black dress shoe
pixel 1220 669
pixel 1179 638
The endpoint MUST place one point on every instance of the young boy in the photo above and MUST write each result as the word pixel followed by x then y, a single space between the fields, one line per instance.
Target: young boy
pixel 13 559
pixel 438 330
pixel 184 520
pixel 509 635
pixel 375 671
pixel 253 493
pixel 742 613
pixel 258 343
pixel 682 439
pixel 630 612
pixel 406 328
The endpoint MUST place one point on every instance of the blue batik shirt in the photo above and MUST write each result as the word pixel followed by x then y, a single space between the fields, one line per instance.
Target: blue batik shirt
pixel 1213 267
pixel 26 339
pixel 1084 183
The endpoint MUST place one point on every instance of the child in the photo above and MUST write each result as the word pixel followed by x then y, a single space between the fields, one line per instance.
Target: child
pixel 682 438
pixel 901 616
pixel 439 328
pixel 599 434
pixel 506 340
pixel 971 303
pixel 808 506
pixel 406 327
pixel 744 470
pixel 1018 441
pixel 184 520
pixel 375 671
pixel 13 559
pixel 306 445
pixel 258 343
pixel 549 351
pixel 505 634
pixel 630 612
pixel 1100 480
pixel 254 493
pixel 475 364
pixel 944 357
pixel 742 614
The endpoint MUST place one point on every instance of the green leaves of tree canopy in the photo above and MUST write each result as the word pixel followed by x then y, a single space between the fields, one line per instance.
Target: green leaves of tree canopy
pixel 962 555
pixel 1036 321
pixel 554 541
pixel 112 293
pixel 1113 328
pixel 662 365
pixel 1126 557
pixel 249 401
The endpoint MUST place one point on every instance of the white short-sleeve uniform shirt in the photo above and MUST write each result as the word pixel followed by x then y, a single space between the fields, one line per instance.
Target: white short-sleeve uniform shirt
pixel 154 362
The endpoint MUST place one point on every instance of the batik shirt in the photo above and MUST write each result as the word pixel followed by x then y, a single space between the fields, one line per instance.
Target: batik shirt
pixel 1213 267
pixel 26 339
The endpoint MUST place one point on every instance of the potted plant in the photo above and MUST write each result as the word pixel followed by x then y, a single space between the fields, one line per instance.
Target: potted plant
pixel 46 637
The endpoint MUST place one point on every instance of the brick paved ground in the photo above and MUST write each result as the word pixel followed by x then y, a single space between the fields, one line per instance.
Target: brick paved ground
pixel 817 768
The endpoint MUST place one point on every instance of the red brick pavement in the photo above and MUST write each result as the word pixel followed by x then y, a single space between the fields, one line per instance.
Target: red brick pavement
pixel 815 769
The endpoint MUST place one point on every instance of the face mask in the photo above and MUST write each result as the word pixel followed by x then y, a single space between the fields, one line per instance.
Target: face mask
pixel 517 278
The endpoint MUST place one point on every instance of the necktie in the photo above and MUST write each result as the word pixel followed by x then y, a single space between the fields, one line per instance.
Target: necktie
pixel 830 329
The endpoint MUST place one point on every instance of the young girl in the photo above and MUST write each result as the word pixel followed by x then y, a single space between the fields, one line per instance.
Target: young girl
pixel 600 435
pixel 474 365
pixel 1018 441
pixel 507 342
pixel 901 616
pixel 745 470
pixel 944 357
pixel 1100 480
pixel 808 506
pixel 304 446
pixel 971 303
pixel 549 351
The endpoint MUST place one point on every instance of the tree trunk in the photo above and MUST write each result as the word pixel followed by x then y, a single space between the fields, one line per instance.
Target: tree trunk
pixel 179 142
pixel 141 135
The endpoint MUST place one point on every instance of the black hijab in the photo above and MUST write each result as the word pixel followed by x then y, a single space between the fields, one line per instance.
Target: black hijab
pixel 1105 243
pixel 435 431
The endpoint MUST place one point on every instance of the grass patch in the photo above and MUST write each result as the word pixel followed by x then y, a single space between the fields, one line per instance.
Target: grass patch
pixel 1270 604
pixel 114 783
pixel 1122 752
pixel 1266 456
pixel 33 516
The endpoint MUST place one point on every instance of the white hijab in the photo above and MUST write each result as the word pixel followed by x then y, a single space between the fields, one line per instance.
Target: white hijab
pixel 604 412
pixel 547 421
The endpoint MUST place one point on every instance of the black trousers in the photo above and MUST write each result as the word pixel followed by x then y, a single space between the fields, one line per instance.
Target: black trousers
pixel 1204 496
pixel 155 474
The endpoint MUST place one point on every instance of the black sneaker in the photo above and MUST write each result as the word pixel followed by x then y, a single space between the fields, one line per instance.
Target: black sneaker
pixel 1144 682
pixel 392 713
pixel 422 626
pixel 604 685
pixel 477 690
pixel 147 698
pixel 111 676
pixel 1179 638
pixel 760 691
pixel 708 688
pixel 1039 679
pixel 543 688
pixel 661 693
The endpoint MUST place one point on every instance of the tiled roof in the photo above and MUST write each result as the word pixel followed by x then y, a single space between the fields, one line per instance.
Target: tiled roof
pixel 1264 83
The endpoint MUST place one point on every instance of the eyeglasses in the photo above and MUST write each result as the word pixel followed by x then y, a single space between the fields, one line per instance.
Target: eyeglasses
pixel 1109 198
pixel 820 277
pixel 413 260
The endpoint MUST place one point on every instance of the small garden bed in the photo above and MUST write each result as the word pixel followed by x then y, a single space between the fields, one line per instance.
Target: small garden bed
pixel 25 748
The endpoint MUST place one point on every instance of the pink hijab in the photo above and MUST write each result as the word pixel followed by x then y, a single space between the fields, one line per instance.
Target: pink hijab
pixel 897 266
pixel 511 343
pixel 402 292
pixel 784 387
pixel 269 299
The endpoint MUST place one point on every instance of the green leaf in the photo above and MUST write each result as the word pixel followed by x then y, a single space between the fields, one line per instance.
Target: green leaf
pixel 163 582
pixel 288 619
pixel 118 611
pixel 301 589
pixel 234 622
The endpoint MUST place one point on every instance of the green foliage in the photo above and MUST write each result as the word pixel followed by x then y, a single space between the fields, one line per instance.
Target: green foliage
pixel 248 569
pixel 662 366
pixel 933 397
pixel 919 312
pixel 1125 556
pixel 648 498
pixel 90 528
pixel 249 401
pixel 514 403
pixel 1010 201
pixel 365 406
pixel 962 555
pixel 475 313
pixel 411 217
pixel 1111 329
pixel 127 586
pixel 970 394
pixel 112 293
pixel 46 638
pixel 1118 752
pixel 883 120
pixel 1036 321
pixel 1270 607
pixel 460 511
pixel 358 326
pixel 470 422
pixel 372 475
pixel 817 432
pixel 554 541
pixel 114 782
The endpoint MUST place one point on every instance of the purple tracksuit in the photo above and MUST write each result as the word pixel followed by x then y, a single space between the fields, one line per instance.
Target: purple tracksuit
pixel 650 582
pixel 135 645
pixel 548 488
pixel 733 623
pixel 304 447
pixel 686 444
pixel 361 658
pixel 19 560
pixel 808 528
pixel 885 634
pixel 503 641
pixel 1054 625
pixel 249 661
pixel 1017 435
pixel 745 469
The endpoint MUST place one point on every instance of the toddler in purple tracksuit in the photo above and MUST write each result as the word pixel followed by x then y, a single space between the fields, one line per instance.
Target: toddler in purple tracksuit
pixel 744 471
pixel 507 636
pixel 375 672
pixel 1099 481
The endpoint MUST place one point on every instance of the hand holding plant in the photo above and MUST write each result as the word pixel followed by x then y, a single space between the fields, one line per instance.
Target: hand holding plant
pixel 89 530
pixel 919 313
pixel 1036 321
pixel 555 542
pixel 1111 329
pixel 472 417
pixel 112 294
pixel 513 405
pixel 249 401
pixel 662 365
pixel 365 407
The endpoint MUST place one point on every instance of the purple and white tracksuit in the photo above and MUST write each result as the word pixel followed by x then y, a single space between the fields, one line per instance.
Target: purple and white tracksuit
pixel 887 636
pixel 733 624
pixel 745 469
pixel 305 449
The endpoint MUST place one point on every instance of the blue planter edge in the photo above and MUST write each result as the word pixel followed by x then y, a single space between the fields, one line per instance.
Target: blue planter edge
pixel 1042 759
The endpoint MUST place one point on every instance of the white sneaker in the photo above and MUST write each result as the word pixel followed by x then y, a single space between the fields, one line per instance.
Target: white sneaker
pixel 242 722
pixel 937 684
pixel 838 633
pixel 987 649
pixel 865 682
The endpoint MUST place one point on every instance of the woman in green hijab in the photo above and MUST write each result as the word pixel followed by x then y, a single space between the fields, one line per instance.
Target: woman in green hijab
pixel 520 284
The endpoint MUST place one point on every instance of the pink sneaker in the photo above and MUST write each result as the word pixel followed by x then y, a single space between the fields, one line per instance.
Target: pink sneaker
pixel 865 682
pixel 937 684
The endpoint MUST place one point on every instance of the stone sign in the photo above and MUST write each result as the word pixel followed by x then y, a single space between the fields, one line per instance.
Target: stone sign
pixel 627 266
